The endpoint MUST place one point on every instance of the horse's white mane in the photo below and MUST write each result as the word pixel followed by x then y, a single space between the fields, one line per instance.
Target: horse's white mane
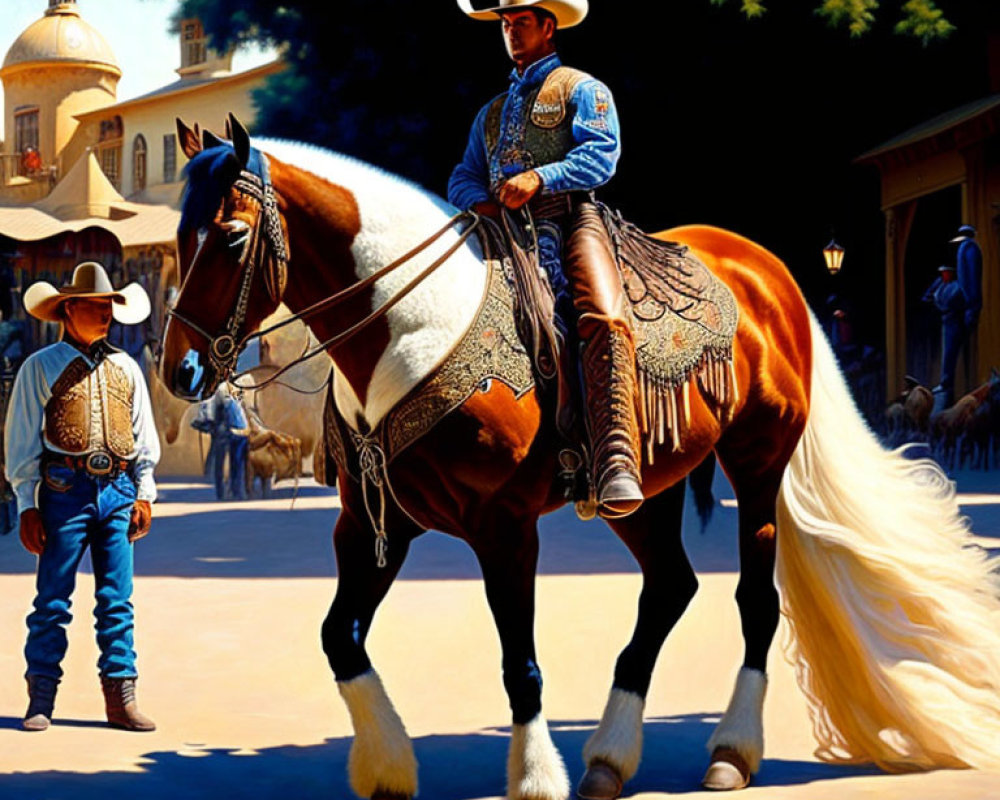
pixel 397 214
pixel 343 170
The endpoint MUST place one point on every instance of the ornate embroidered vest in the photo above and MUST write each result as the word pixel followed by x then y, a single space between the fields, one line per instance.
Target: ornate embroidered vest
pixel 542 132
pixel 91 410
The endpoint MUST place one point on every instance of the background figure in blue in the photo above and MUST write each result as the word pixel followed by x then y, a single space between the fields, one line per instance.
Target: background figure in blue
pixel 947 296
pixel 969 266
pixel 230 436
pixel 204 422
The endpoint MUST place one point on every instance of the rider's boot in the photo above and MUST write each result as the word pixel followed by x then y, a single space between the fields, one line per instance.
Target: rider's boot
pixel 609 371
pixel 608 363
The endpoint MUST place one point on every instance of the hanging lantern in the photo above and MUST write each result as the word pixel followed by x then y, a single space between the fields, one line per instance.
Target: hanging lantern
pixel 833 255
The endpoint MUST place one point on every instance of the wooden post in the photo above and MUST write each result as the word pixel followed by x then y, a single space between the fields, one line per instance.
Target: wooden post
pixel 898 221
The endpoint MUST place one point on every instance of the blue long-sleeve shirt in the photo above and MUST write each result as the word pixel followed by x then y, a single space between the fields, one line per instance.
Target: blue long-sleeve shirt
pixel 589 164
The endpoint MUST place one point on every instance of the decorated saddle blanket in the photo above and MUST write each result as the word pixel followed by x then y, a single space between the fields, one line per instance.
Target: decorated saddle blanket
pixel 684 320
pixel 683 317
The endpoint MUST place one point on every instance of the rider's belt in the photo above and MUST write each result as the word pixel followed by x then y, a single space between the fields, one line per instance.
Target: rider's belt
pixel 553 206
pixel 98 463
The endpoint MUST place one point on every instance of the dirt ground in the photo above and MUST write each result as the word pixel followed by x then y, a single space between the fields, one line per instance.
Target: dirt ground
pixel 229 599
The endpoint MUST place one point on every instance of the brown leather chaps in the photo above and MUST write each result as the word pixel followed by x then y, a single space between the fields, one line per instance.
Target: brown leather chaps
pixel 608 360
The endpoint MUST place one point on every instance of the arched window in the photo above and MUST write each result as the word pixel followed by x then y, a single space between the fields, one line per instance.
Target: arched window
pixel 109 149
pixel 139 163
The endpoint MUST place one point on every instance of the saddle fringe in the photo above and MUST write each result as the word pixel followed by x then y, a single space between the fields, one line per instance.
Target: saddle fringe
pixel 665 405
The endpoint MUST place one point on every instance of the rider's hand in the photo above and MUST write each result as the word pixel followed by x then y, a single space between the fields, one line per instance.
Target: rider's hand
pixel 487 208
pixel 32 531
pixel 520 189
pixel 142 518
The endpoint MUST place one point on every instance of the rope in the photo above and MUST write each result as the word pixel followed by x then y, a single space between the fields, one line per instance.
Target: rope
pixel 371 459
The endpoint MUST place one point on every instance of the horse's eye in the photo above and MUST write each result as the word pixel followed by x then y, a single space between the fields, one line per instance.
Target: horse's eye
pixel 237 233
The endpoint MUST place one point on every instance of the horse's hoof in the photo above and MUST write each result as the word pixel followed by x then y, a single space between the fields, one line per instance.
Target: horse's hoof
pixel 727 772
pixel 389 796
pixel 600 782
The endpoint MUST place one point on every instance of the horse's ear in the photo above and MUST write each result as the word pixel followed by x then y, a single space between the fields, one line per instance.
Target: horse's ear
pixel 210 140
pixel 190 143
pixel 240 138
pixel 229 129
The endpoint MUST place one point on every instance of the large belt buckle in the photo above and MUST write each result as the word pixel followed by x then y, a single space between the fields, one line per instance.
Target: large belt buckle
pixel 98 463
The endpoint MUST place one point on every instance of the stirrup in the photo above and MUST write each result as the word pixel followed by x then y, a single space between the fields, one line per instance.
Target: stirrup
pixel 577 486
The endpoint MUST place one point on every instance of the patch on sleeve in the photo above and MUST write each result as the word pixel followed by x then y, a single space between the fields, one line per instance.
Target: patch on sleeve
pixel 601 101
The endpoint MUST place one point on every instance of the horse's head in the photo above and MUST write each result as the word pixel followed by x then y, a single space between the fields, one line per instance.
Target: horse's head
pixel 232 255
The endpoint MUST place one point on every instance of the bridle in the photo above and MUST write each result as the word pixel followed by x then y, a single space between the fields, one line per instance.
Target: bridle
pixel 225 348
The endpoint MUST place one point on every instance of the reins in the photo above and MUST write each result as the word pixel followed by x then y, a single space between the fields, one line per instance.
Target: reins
pixel 224 349
pixel 335 299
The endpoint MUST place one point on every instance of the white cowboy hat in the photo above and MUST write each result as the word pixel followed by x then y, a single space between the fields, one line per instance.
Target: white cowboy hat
pixel 130 305
pixel 567 12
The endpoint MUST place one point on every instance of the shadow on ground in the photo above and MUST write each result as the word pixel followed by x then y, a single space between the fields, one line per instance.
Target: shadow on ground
pixel 454 767
pixel 230 541
pixel 234 542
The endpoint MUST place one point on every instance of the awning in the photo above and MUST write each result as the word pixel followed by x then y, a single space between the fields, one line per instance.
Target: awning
pixel 85 198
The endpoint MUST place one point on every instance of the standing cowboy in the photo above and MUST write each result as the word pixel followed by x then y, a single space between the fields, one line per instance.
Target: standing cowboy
pixel 546 143
pixel 80 451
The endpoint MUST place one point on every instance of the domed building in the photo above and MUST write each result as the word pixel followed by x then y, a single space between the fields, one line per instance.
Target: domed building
pixel 60 66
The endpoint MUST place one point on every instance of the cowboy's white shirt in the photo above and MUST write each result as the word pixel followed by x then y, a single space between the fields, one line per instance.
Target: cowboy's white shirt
pixel 24 433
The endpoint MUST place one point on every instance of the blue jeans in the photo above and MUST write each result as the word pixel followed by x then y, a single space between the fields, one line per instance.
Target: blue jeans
pixel 80 511
pixel 550 253
pixel 237 447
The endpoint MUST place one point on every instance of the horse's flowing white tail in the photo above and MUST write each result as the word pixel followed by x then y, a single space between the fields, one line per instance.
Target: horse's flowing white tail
pixel 894 612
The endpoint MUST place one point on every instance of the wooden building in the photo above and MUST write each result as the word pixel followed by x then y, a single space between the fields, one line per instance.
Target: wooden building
pixel 940 174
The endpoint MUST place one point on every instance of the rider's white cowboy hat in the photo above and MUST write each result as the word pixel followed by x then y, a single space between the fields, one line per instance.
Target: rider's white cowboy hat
pixel 90 280
pixel 567 12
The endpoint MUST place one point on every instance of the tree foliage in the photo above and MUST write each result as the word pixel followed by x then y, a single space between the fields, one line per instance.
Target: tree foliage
pixel 919 18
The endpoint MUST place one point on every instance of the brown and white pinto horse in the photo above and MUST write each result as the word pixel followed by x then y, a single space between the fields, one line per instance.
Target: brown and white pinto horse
pixel 895 617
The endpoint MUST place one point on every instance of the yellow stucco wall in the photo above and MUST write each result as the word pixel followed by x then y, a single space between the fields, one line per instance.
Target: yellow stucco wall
pixel 156 119
pixel 59 92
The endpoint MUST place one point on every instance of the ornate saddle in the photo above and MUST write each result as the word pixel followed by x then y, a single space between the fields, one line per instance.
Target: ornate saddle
pixel 684 319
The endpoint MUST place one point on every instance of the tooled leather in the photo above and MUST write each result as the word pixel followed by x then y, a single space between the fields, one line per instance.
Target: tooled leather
pixel 609 372
pixel 91 409
pixel 67 413
pixel 118 391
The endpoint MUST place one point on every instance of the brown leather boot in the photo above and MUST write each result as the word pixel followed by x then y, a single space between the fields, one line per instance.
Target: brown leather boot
pixel 42 699
pixel 609 371
pixel 121 706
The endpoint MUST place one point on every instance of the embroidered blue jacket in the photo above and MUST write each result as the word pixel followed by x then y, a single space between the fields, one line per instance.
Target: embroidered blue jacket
pixel 588 165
